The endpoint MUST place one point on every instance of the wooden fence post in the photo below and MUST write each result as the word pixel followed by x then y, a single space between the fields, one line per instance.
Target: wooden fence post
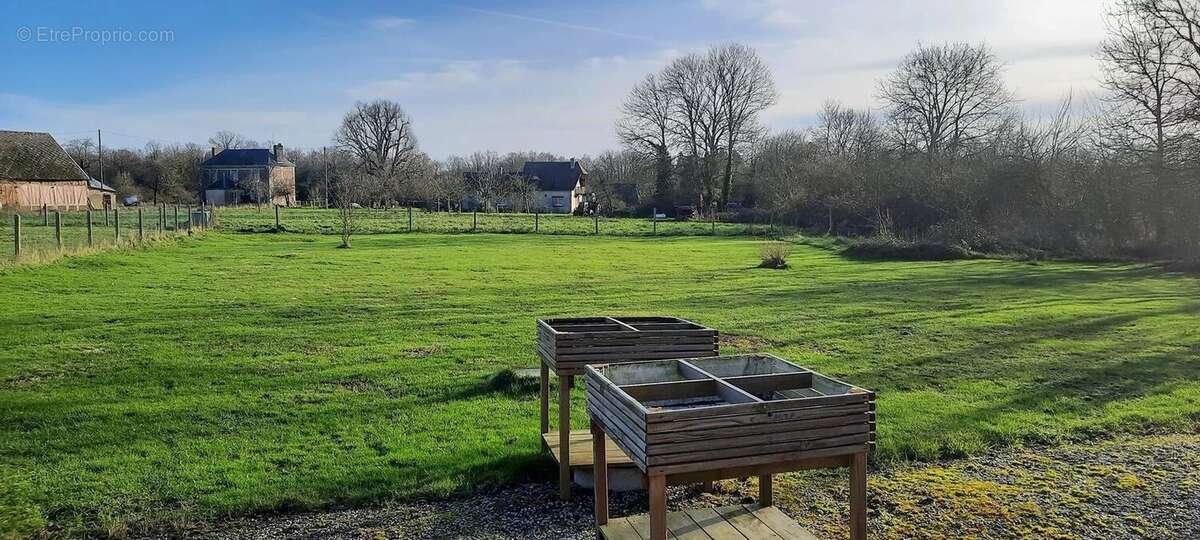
pixel 58 230
pixel 714 222
pixel 16 236
pixel 277 217
pixel 410 218
pixel 175 227
pixel 89 220
pixel 189 219
pixel 162 218
pixel 536 219
pixel 474 220
pixel 105 216
pixel 117 225
pixel 596 220
pixel 654 222
pixel 141 229
pixel 45 216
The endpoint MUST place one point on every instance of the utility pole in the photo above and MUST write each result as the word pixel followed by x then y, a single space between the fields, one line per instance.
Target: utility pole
pixel 100 154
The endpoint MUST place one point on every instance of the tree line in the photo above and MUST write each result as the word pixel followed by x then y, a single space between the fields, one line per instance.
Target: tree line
pixel 946 157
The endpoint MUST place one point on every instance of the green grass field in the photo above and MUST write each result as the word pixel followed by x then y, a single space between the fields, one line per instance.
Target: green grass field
pixel 235 373
pixel 395 220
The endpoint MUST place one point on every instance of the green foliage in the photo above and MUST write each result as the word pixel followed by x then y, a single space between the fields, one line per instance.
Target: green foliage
pixel 154 387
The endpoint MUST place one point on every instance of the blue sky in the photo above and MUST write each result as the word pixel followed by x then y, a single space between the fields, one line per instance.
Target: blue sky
pixel 506 75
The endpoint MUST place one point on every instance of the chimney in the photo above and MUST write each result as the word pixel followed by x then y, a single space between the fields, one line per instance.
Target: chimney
pixel 278 148
pixel 214 151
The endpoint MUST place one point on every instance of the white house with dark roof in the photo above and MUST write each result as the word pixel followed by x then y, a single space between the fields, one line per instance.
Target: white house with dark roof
pixel 249 175
pixel 561 186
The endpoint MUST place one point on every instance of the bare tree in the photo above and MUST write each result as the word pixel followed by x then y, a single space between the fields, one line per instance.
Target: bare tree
pixel 746 88
pixel 846 133
pixel 379 135
pixel 1149 115
pixel 646 128
pixel 945 98
pixel 696 120
pixel 225 140
pixel 1181 19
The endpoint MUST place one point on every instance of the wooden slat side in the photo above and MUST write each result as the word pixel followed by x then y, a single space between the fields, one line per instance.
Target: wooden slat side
pixel 756 428
pixel 625 437
pixel 764 459
pixel 702 424
pixel 858 435
pixel 621 411
pixel 753 408
pixel 758 384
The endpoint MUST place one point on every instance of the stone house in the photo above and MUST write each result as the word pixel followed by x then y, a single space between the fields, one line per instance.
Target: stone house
pixel 249 175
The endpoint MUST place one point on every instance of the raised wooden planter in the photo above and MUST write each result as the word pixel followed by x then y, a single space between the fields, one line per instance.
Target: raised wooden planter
pixel 699 419
pixel 567 346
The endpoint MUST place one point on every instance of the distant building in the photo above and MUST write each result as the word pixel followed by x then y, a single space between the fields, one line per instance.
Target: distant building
pixel 249 175
pixel 36 171
pixel 561 186
pixel 101 195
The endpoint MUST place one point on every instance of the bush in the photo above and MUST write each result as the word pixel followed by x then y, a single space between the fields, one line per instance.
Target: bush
pixel 890 248
pixel 774 255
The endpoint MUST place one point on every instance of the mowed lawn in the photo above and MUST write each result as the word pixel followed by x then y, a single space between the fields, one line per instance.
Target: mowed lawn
pixel 242 373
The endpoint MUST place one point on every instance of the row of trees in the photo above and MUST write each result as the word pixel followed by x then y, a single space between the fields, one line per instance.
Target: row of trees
pixel 948 156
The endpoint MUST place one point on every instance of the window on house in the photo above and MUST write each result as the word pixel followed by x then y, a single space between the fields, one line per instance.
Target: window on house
pixel 557 201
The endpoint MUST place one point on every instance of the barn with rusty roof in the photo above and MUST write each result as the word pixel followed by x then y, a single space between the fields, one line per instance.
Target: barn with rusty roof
pixel 35 171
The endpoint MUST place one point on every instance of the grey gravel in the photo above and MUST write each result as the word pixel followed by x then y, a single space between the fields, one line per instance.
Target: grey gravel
pixel 1125 489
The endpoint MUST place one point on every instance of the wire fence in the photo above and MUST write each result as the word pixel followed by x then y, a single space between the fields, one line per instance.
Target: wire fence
pixel 404 219
pixel 35 236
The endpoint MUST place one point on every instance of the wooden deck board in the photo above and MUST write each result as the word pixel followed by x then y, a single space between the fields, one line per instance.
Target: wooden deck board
pixel 728 522
pixel 581 450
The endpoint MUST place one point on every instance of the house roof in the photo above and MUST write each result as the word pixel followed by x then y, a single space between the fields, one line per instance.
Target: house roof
pixel 100 186
pixel 28 155
pixel 244 157
pixel 553 175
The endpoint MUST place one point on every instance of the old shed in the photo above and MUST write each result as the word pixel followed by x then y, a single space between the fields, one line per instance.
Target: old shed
pixel 36 171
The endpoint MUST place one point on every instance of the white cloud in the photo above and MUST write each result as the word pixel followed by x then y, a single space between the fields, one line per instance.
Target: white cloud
pixel 839 50
pixel 390 23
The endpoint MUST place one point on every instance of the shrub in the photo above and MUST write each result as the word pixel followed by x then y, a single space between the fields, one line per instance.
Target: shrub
pixel 891 248
pixel 774 255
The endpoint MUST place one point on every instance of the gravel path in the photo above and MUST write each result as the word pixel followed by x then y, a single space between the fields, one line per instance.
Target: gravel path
pixel 1124 489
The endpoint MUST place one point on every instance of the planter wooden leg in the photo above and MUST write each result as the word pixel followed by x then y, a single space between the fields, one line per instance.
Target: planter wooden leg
pixel 858 497
pixel 564 437
pixel 600 473
pixel 658 507
pixel 707 486
pixel 764 490
pixel 545 380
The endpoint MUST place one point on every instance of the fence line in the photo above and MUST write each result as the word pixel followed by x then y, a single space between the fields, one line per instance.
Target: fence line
pixel 75 231
pixel 411 219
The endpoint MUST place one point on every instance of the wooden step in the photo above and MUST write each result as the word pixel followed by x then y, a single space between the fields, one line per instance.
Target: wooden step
pixel 738 521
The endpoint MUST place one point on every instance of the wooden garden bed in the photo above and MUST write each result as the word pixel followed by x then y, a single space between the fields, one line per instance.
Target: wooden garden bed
pixel 568 345
pixel 687 420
